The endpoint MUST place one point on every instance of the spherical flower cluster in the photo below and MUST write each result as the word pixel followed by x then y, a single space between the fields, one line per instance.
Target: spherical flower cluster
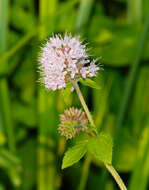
pixel 63 60
pixel 72 122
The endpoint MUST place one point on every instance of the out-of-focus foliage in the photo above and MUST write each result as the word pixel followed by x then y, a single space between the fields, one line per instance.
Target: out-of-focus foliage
pixel 31 149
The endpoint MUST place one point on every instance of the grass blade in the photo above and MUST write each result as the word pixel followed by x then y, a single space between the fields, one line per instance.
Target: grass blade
pixel 134 11
pixel 46 108
pixel 83 14
pixel 4 92
pixel 139 177
pixel 131 81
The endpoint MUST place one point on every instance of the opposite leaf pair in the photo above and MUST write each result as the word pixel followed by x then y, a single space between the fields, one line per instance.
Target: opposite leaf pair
pixel 99 146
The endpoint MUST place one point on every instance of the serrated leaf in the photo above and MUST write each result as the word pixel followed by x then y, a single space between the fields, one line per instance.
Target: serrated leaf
pixel 73 155
pixel 101 147
pixel 90 83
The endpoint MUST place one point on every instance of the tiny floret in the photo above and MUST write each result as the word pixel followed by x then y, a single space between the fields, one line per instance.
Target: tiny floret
pixel 63 59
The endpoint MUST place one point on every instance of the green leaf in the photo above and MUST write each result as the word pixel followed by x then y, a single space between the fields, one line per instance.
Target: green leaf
pixel 90 83
pixel 101 147
pixel 74 154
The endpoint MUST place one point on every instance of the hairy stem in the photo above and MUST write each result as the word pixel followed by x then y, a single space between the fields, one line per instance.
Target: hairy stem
pixel 75 85
pixel 116 176
pixel 108 166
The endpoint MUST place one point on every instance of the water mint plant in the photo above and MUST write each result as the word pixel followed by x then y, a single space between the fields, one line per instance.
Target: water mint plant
pixel 64 60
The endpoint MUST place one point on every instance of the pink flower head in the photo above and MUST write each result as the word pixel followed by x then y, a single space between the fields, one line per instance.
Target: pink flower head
pixel 63 60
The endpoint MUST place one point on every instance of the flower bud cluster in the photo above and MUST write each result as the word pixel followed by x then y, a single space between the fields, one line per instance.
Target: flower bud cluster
pixel 72 122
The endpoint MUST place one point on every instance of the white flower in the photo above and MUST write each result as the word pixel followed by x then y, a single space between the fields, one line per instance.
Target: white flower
pixel 64 59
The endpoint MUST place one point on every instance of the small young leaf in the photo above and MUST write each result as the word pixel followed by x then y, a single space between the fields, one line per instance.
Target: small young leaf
pixel 101 147
pixel 73 155
pixel 90 83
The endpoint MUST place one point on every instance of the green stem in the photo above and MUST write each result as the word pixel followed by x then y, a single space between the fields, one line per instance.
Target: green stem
pixel 108 166
pixel 75 85
pixel 116 176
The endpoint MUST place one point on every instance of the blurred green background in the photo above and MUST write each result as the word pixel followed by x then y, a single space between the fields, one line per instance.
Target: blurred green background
pixel 31 149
